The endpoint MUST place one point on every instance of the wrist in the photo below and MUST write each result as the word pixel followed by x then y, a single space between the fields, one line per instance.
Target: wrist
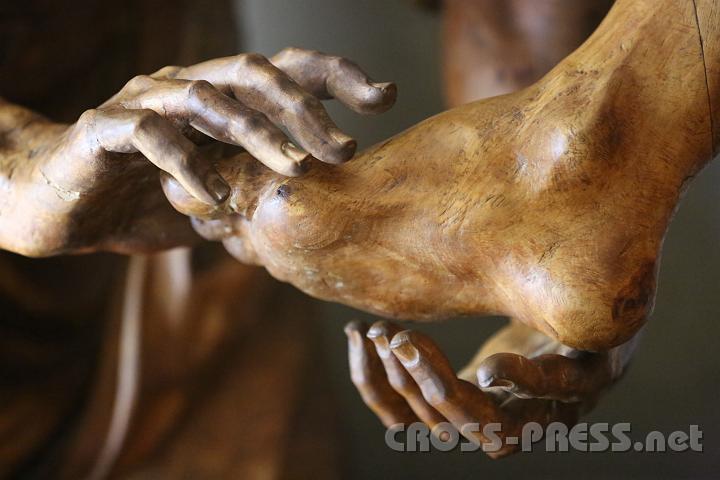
pixel 25 137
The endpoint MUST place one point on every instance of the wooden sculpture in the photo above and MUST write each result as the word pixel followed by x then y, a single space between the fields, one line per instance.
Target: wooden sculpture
pixel 110 368
pixel 53 199
pixel 548 205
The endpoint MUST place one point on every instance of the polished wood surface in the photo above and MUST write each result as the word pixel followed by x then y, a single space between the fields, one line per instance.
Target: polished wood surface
pixel 548 205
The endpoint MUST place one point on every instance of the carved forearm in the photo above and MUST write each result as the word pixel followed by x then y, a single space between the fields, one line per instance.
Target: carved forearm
pixel 95 187
pixel 21 126
pixel 25 136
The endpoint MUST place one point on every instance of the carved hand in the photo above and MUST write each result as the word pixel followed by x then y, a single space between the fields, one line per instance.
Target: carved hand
pixel 519 376
pixel 93 185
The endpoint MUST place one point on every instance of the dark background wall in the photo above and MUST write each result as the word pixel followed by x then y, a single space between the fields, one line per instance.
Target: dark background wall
pixel 674 379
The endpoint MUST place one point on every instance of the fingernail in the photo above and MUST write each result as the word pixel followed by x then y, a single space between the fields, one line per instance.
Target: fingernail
pixel 351 327
pixel 378 334
pixel 294 152
pixel 384 86
pixel 378 97
pixel 404 350
pixel 339 136
pixel 217 186
pixel 388 92
pixel 504 383
pixel 347 147
pixel 300 158
pixel 378 329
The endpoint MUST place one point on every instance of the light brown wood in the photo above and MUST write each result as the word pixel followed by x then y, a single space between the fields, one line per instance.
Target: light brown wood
pixel 88 400
pixel 58 177
pixel 548 205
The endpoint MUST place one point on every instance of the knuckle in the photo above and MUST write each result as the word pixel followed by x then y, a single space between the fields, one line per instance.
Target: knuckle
pixel 88 117
pixel 293 50
pixel 145 119
pixel 297 53
pixel 289 52
pixel 198 88
pixel 341 63
pixel 440 396
pixel 251 60
pixel 167 72
pixel 138 82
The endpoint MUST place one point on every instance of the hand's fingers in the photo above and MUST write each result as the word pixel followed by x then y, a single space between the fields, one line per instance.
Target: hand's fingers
pixel 144 131
pixel 183 201
pixel 247 177
pixel 328 76
pixel 260 85
pixel 463 404
pixel 215 229
pixel 198 104
pixel 380 333
pixel 458 401
pixel 368 375
pixel 551 376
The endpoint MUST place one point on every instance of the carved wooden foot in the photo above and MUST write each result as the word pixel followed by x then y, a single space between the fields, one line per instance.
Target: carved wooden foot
pixel 549 205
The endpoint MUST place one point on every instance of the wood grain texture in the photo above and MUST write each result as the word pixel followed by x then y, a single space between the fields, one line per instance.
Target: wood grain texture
pixel 708 16
pixel 548 205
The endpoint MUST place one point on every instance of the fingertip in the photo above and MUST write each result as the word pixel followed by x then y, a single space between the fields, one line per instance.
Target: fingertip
pixel 370 98
pixel 381 328
pixel 485 376
pixel 487 379
pixel 384 96
pixel 299 160
pixel 332 146
pixel 355 326
pixel 495 370
pixel 295 169
pixel 400 338
pixel 403 347
pixel 185 202
pixel 384 87
pixel 343 150
pixel 512 373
